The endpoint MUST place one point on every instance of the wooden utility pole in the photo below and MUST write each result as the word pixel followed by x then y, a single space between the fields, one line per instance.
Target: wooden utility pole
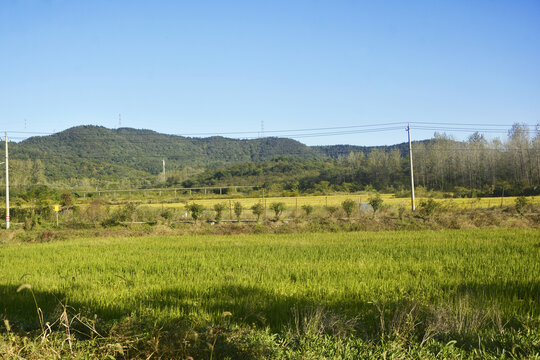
pixel 413 207
pixel 7 185
pixel 264 201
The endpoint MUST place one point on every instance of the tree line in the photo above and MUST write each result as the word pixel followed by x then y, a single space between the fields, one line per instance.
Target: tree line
pixel 475 166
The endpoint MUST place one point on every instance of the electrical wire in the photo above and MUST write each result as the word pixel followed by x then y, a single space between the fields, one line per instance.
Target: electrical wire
pixel 287 132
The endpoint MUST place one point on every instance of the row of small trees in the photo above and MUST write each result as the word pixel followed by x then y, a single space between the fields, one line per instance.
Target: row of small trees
pixel 348 206
pixel 196 210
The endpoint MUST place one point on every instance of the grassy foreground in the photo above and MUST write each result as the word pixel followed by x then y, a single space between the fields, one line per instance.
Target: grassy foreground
pixel 444 294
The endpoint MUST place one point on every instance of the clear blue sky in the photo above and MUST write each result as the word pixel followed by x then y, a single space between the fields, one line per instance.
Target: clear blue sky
pixel 220 66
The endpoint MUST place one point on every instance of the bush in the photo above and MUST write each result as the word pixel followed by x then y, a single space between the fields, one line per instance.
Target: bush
pixel 195 210
pixel 238 208
pixel 167 214
pixel 95 211
pixel 348 206
pixel 219 208
pixel 66 199
pixel 461 192
pixel 127 212
pixel 376 202
pixel 522 203
pixel 308 209
pixel 258 210
pixel 277 208
pixel 401 211
pixel 331 210
pixel 429 207
pixel 124 214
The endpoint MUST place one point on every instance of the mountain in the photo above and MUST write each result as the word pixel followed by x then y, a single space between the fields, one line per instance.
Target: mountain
pixel 95 152
pixel 98 156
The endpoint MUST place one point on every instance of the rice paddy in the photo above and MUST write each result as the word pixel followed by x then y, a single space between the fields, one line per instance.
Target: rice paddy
pixel 262 280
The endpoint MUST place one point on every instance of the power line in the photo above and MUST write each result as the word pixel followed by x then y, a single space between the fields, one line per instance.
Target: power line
pixel 422 125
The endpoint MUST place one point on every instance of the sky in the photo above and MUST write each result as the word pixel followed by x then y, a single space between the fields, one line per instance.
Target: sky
pixel 224 67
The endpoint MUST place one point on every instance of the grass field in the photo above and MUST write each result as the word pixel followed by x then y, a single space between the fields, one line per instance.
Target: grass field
pixel 469 293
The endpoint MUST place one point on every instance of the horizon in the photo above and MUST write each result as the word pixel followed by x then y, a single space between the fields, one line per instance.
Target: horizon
pixel 30 135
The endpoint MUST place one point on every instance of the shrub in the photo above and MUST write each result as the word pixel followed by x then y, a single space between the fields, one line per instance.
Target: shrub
pixel 401 211
pixel 308 209
pixel 277 208
pixel 348 206
pixel 96 211
pixel 195 210
pixel 429 207
pixel 167 214
pixel 125 213
pixel 521 203
pixel 257 210
pixel 376 202
pixel 238 208
pixel 331 210
pixel 66 199
pixel 219 208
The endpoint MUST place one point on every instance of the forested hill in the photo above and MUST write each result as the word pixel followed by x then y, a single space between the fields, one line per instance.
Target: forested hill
pixel 144 149
pixel 100 157
pixel 97 153
pixel 336 151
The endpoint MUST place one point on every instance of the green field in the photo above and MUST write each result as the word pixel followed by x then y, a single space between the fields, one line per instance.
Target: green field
pixel 483 282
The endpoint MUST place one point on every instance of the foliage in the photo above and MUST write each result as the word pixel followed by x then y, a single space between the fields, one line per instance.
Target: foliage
pixel 401 211
pixel 219 208
pixel 124 154
pixel 195 210
pixel 66 199
pixel 522 203
pixel 167 214
pixel 375 202
pixel 123 214
pixel 308 209
pixel 348 206
pixel 121 160
pixel 95 211
pixel 258 210
pixel 429 206
pixel 277 208
pixel 331 209
pixel 238 208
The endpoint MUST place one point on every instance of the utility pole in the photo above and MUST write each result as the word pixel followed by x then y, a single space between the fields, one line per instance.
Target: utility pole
pixel 7 184
pixel 411 163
